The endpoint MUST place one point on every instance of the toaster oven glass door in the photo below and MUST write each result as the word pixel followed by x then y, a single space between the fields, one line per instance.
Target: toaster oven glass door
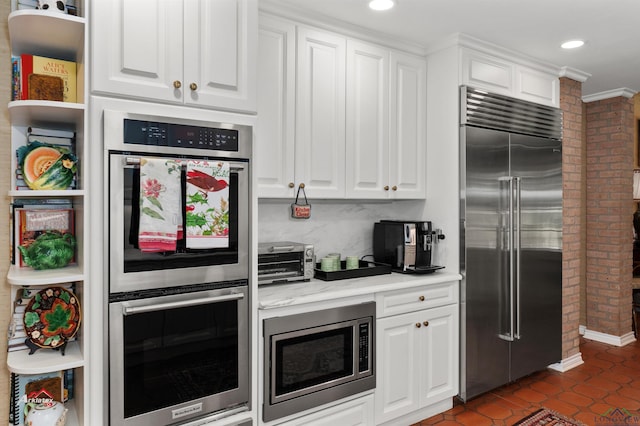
pixel 274 267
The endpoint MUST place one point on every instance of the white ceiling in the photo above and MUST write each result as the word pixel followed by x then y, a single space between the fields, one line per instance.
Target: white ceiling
pixel 611 29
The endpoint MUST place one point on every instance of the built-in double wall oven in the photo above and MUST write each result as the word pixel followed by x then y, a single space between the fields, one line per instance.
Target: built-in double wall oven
pixel 178 205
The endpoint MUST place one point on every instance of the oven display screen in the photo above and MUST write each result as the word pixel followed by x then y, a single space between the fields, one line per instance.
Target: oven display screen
pixel 313 359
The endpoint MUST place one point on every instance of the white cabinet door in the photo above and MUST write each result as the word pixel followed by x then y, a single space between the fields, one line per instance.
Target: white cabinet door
pixel 137 48
pixel 536 86
pixel 417 361
pixel 487 72
pixel 408 117
pixel 367 126
pixel 220 47
pixel 274 143
pixel 320 116
pixel 439 354
pixel 356 412
pixel 197 52
pixel 398 366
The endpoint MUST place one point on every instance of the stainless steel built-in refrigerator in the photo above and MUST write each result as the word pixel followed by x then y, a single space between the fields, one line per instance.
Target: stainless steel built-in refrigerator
pixel 511 239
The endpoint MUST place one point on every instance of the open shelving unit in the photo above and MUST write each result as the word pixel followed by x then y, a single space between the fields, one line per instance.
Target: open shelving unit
pixel 60 36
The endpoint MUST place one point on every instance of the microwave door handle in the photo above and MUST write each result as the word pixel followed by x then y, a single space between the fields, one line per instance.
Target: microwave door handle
pixel 131 310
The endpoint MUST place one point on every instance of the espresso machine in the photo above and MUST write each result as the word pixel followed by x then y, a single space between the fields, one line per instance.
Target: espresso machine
pixel 406 245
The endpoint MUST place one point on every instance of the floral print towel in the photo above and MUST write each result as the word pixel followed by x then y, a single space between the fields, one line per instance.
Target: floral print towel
pixel 207 204
pixel 160 206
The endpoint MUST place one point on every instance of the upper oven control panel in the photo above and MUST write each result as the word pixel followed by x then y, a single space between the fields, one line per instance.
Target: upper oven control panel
pixel 142 132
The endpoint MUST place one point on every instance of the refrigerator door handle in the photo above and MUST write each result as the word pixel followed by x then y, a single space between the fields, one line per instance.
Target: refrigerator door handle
pixel 517 241
pixel 509 336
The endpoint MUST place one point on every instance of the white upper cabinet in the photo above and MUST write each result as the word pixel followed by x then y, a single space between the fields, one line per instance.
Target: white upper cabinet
pixel 195 52
pixel 386 114
pixel 274 145
pixel 344 117
pixel 507 77
pixel 320 113
pixel 367 149
pixel 407 126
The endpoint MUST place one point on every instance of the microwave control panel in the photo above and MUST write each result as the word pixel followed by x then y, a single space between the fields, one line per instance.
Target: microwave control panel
pixel 141 132
pixel 363 356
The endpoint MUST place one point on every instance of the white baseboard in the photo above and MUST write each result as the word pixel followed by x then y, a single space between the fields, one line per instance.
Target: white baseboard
pixel 567 363
pixel 609 339
pixel 582 329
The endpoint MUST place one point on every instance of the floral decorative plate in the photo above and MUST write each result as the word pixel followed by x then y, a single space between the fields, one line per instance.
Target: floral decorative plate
pixel 52 317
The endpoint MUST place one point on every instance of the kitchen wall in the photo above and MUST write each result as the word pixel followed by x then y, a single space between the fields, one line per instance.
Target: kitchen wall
pixel 5 179
pixel 342 226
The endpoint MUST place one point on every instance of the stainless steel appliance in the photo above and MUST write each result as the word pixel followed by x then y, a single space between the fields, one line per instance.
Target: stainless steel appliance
pixel 176 357
pixel 284 261
pixel 178 320
pixel 511 239
pixel 132 137
pixel 405 245
pixel 317 357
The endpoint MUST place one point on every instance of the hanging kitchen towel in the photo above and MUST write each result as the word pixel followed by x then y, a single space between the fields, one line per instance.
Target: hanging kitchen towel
pixel 207 204
pixel 160 204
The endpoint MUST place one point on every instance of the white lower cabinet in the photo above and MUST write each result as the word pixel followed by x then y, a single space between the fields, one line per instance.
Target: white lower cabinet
pixel 356 412
pixel 417 362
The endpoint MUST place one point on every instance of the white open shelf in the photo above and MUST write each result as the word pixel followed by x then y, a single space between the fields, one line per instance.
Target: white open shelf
pixel 45 360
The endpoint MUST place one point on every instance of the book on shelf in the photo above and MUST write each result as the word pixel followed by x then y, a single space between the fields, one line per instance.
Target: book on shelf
pixel 42 85
pixel 15 78
pixel 27 390
pixel 54 137
pixel 30 204
pixel 31 223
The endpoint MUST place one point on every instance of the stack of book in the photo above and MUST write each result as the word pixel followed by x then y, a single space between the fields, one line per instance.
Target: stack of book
pixel 41 78
pixel 27 390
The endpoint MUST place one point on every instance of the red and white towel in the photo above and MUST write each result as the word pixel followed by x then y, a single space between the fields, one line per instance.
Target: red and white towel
pixel 160 204
pixel 207 204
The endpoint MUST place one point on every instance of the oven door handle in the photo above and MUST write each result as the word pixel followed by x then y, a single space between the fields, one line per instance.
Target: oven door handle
pixel 131 310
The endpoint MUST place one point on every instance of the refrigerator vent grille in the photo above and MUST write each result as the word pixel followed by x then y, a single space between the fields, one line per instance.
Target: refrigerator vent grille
pixel 492 111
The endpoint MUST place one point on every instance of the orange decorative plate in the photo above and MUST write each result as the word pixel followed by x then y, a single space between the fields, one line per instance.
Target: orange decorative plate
pixel 52 317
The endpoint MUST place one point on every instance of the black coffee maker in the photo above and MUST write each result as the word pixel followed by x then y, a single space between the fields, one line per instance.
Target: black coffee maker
pixel 405 245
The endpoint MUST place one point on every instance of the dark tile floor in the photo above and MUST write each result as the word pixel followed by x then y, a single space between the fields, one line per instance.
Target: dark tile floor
pixel 608 379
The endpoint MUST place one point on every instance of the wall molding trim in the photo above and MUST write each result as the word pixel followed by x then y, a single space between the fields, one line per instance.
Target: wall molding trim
pixel 608 94
pixel 568 363
pixel 610 339
pixel 574 74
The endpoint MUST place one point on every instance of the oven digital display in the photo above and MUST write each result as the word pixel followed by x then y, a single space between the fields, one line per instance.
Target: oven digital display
pixel 180 135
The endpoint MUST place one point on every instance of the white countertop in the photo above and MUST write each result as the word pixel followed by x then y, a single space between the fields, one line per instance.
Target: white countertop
pixel 272 296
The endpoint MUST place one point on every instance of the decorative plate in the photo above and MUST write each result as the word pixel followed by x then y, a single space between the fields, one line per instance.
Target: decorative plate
pixel 52 317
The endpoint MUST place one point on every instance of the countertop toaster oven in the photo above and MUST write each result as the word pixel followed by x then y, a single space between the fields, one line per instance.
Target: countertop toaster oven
pixel 284 261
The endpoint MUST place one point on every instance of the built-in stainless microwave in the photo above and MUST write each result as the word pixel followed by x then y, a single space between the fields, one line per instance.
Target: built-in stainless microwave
pixel 317 357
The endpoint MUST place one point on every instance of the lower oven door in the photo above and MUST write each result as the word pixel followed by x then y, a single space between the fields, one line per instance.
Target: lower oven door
pixel 174 358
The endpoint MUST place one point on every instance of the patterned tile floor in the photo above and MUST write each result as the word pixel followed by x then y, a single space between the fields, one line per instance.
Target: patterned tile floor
pixel 608 379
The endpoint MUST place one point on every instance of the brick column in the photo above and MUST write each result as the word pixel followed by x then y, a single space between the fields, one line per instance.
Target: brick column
pixel 609 137
pixel 573 209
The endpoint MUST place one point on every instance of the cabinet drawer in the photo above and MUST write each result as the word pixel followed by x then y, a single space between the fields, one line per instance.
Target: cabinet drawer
pixel 418 298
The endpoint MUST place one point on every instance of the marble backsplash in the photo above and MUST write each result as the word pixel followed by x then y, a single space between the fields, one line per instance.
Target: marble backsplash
pixel 335 226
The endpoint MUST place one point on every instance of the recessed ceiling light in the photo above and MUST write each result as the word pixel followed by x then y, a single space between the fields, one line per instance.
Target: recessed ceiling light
pixel 381 4
pixel 572 44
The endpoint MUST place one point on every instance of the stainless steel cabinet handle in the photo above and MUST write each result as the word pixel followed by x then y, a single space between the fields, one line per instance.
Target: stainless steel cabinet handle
pixel 510 246
pixel 130 310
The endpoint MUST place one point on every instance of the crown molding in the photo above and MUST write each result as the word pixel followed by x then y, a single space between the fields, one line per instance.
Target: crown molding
pixel 574 74
pixel 608 94
pixel 301 16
